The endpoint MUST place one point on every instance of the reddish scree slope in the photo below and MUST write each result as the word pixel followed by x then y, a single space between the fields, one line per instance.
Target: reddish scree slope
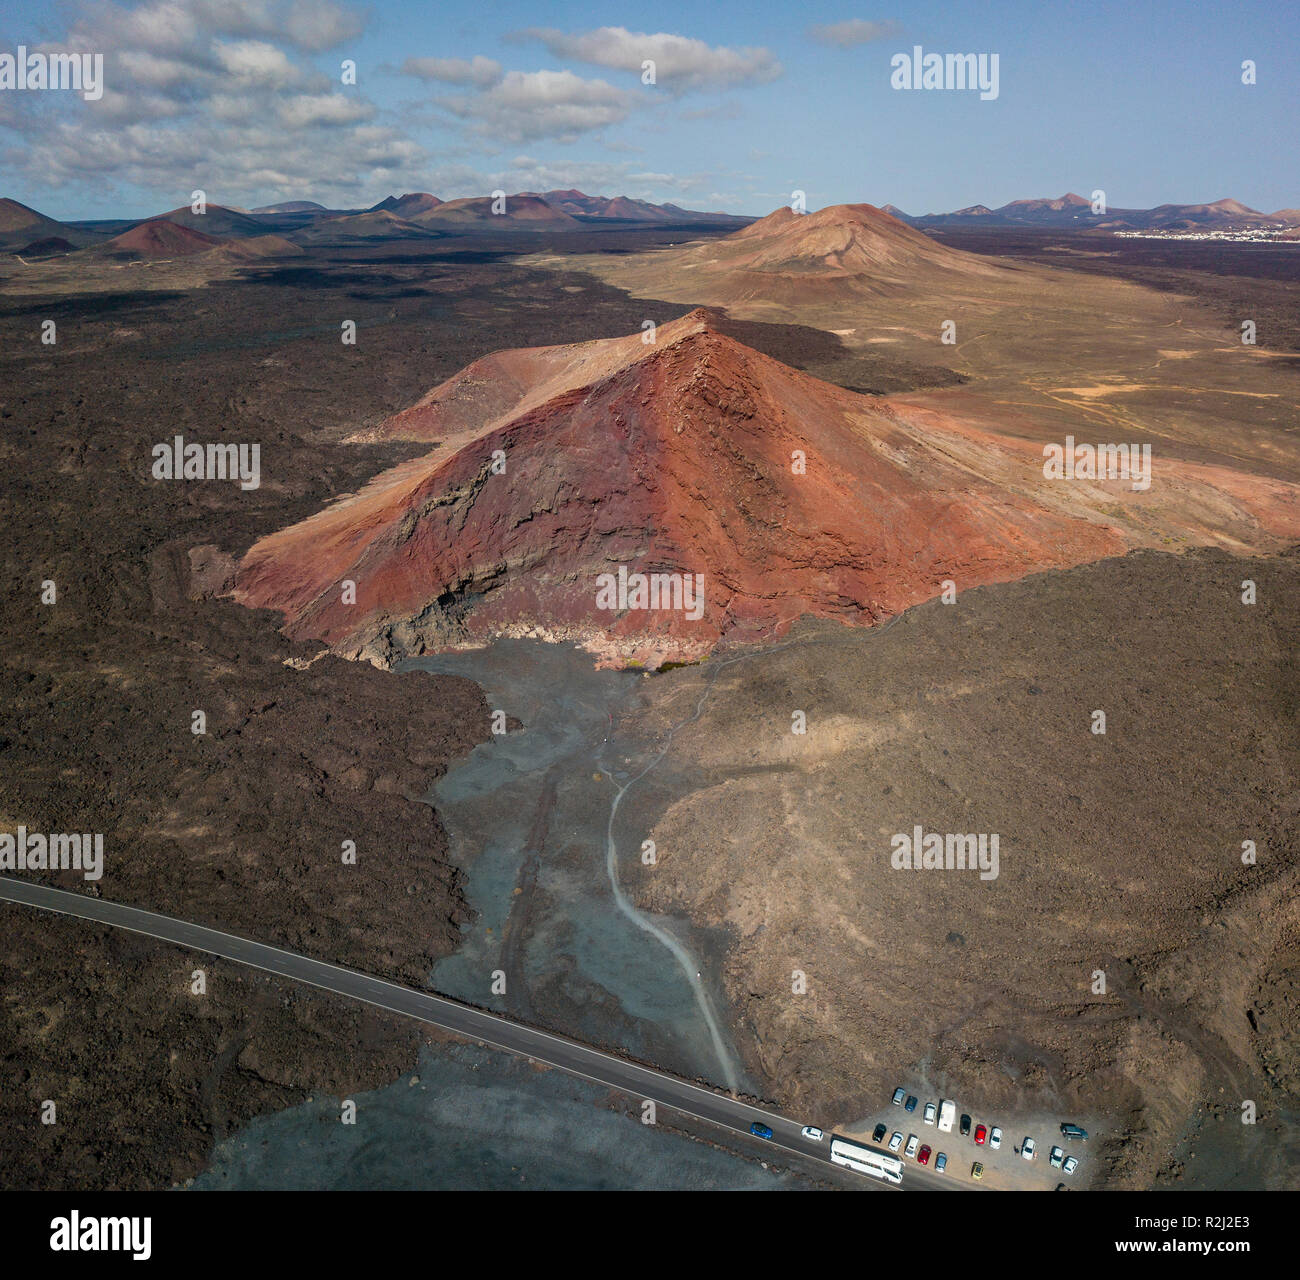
pixel 671 457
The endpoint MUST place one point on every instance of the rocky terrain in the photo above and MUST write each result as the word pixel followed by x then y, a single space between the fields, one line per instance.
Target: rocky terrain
pixel 242 826
pixel 1120 855
pixel 145 1075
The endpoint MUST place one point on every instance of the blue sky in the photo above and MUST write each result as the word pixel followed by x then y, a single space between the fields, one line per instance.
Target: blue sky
pixel 243 98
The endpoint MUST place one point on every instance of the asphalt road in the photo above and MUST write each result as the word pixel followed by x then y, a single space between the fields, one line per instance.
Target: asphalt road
pixel 631 1078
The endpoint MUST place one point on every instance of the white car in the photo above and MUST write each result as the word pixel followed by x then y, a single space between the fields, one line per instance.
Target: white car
pixel 812 1133
pixel 1027 1148
pixel 1071 1164
pixel 995 1138
pixel 912 1143
pixel 930 1114
pixel 1056 1157
pixel 896 1141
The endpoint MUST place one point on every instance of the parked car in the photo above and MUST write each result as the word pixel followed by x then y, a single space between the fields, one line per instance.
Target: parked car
pixel 760 1130
pixel 878 1134
pixel 1027 1149
pixel 896 1141
pixel 965 1126
pixel 923 1156
pixel 899 1095
pixel 814 1134
pixel 980 1134
pixel 977 1171
pixel 910 1150
pixel 910 1104
pixel 1073 1131
pixel 1071 1164
pixel 941 1162
pixel 1056 1157
pixel 995 1137
pixel 931 1113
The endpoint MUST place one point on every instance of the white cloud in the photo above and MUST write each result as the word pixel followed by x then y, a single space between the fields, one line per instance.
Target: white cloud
pixel 154 71
pixel 215 94
pixel 309 109
pixel 256 62
pixel 479 71
pixel 853 31
pixel 316 25
pixel 157 28
pixel 528 105
pixel 224 95
pixel 133 107
pixel 680 61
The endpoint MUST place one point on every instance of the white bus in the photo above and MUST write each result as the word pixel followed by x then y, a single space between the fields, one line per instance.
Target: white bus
pixel 875 1164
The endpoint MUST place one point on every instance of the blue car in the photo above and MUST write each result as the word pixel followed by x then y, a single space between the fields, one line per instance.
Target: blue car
pixel 910 1104
pixel 760 1130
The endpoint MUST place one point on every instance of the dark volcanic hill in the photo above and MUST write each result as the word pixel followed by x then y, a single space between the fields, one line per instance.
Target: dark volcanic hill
pixel 567 209
pixel 689 455
pixel 293 206
pixel 217 221
pixel 159 238
pixel 626 209
pixel 408 206
pixel 21 227
pixel 358 228
pixel 50 246
pixel 524 212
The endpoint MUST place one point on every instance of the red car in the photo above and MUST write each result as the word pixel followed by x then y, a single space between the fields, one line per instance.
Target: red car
pixel 980 1134
pixel 923 1156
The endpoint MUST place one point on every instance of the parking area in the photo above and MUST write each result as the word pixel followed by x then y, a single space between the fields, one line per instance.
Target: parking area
pixel 993 1142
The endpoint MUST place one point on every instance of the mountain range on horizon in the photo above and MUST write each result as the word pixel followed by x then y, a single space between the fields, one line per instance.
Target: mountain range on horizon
pixel 1075 211
pixel 24 229
pixel 415 214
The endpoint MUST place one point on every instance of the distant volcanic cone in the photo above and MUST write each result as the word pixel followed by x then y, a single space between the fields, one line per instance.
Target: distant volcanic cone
pixel 524 211
pixel 689 455
pixel 159 238
pixel 407 206
pixel 840 252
